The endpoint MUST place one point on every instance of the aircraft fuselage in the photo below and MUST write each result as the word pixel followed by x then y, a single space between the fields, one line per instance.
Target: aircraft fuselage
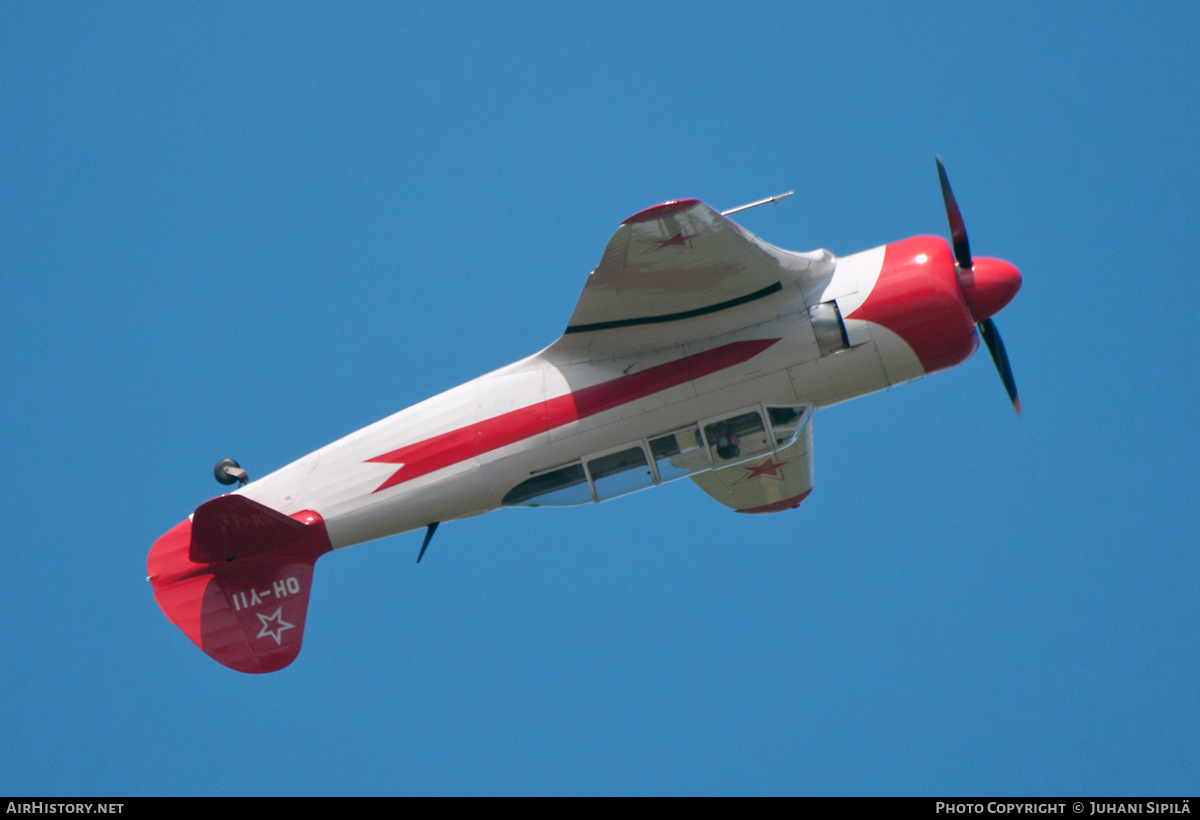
pixel 459 453
pixel 695 351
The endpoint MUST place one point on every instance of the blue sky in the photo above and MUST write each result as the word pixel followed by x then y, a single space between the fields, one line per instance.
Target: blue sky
pixel 247 231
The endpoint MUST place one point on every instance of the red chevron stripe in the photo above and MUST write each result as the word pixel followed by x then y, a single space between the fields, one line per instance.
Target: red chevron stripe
pixel 443 450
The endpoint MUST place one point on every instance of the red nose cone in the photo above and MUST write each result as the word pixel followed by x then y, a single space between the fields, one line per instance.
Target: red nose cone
pixel 989 286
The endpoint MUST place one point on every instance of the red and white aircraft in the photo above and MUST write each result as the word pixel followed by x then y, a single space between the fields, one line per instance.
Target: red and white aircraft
pixel 696 350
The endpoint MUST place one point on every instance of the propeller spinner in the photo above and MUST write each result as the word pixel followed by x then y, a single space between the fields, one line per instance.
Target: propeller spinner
pixel 987 284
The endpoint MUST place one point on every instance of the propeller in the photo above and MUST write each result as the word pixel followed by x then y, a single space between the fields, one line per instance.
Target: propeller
pixel 979 286
pixel 995 346
pixel 958 230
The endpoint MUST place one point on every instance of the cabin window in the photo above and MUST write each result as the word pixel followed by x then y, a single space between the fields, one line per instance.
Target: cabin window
pixel 620 473
pixel 785 424
pixel 679 454
pixel 564 487
pixel 737 438
pixel 828 327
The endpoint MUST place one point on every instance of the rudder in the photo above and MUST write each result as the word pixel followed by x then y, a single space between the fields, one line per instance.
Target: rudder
pixel 235 577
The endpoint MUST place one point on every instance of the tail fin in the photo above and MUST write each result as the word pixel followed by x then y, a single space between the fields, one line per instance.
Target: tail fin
pixel 236 576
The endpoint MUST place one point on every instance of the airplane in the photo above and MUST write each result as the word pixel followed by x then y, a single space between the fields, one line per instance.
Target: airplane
pixel 696 350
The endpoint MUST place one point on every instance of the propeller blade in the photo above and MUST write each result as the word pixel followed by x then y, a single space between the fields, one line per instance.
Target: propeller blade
pixel 958 230
pixel 995 346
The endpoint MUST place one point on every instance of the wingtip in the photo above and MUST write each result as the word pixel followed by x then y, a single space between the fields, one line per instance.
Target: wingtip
pixel 661 211
pixel 1017 405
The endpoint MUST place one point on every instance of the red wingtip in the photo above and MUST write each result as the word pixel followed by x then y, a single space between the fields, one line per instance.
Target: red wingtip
pixel 660 211
pixel 779 506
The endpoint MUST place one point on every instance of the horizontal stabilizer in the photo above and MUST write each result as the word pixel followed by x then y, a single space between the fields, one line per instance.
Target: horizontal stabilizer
pixel 236 578
pixel 231 525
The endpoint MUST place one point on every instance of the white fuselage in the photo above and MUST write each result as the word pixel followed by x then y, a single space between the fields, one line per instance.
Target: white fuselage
pixel 696 350
pixel 466 448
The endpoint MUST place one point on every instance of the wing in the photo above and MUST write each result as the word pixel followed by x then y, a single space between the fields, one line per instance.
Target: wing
pixel 677 261
pixel 772 484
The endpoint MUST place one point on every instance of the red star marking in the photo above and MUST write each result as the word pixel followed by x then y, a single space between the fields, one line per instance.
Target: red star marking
pixel 678 240
pixel 767 468
pixel 280 627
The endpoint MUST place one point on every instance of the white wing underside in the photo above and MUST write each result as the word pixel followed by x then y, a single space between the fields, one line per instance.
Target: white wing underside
pixel 770 484
pixel 673 270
